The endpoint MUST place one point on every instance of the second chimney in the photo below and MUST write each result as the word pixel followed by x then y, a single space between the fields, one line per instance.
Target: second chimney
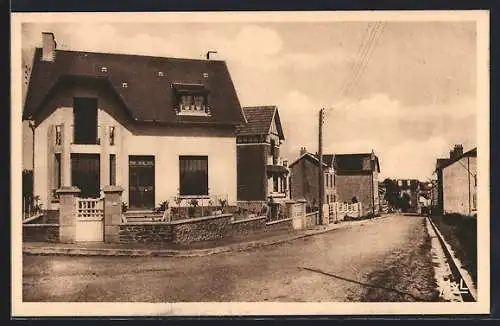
pixel 302 151
pixel 48 47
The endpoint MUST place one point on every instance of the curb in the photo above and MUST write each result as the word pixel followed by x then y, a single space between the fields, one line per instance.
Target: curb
pixel 68 251
pixel 455 266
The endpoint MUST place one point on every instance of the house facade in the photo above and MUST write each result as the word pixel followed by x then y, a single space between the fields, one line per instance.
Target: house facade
pixel 304 178
pixel 457 179
pixel 161 128
pixel 357 180
pixel 262 174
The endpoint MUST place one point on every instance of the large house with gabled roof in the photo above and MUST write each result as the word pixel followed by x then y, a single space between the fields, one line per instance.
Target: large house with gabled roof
pixel 158 127
pixel 262 171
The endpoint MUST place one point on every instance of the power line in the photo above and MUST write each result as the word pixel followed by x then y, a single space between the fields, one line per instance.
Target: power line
pixel 356 61
pixel 362 59
pixel 375 40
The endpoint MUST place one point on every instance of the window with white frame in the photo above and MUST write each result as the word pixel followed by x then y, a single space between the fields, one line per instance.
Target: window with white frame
pixel 193 104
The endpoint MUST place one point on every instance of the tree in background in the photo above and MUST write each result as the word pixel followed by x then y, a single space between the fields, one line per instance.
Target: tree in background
pixel 392 193
pixel 27 188
pixel 404 202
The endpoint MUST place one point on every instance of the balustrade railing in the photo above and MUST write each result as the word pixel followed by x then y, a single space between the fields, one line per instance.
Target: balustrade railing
pixel 89 208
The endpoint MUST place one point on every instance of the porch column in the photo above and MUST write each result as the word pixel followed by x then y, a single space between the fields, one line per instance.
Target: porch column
pixel 66 155
pixel 104 168
pixel 112 213
pixel 67 214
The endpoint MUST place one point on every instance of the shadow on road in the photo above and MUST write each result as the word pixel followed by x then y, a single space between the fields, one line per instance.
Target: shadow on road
pixel 364 284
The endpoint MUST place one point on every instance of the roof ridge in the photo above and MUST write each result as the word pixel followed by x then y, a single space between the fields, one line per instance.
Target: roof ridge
pixel 135 55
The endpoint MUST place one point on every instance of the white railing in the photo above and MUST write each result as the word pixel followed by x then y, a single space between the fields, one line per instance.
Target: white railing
pixel 31 210
pixel 342 209
pixel 89 208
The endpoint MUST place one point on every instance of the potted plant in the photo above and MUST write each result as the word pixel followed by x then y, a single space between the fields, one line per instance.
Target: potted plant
pixel 192 207
pixel 163 208
pixel 222 203
pixel 124 207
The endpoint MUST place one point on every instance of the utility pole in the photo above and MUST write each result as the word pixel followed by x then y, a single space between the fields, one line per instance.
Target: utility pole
pixel 321 177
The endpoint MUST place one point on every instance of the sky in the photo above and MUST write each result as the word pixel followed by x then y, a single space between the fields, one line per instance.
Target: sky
pixel 415 99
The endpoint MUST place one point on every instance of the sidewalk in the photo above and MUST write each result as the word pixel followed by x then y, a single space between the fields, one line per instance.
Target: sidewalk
pixel 194 250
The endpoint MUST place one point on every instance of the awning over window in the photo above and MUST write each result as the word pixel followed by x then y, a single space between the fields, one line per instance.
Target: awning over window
pixel 190 88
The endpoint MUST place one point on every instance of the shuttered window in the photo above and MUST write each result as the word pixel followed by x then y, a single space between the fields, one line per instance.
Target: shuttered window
pixel 193 175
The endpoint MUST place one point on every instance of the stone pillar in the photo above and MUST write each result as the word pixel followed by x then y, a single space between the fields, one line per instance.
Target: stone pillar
pixel 67 214
pixel 326 215
pixel 112 213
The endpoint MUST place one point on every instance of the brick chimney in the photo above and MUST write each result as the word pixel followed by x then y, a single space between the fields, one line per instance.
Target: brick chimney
pixel 303 150
pixel 48 47
pixel 457 151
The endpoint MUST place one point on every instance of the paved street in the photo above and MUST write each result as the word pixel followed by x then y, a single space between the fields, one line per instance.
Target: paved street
pixel 382 260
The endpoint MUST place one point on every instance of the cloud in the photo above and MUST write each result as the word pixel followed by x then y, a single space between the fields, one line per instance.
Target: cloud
pixel 408 139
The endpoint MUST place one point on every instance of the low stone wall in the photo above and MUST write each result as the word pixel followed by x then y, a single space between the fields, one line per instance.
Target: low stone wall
pixel 285 224
pixel 310 220
pixel 201 229
pixel 41 233
pixel 145 232
pixel 248 226
pixel 258 207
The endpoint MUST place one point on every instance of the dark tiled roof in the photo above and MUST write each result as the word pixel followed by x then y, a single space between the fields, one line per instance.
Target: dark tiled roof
pixel 308 156
pixel 148 96
pixel 258 121
pixel 328 159
pixel 441 163
pixel 354 162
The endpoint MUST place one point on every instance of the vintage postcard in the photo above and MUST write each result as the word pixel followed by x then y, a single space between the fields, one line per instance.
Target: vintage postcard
pixel 257 163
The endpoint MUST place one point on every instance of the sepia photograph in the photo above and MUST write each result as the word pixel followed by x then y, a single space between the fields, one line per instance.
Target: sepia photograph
pixel 250 163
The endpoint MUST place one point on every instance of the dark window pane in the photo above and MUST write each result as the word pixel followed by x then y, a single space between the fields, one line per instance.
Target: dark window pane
pixel 85 120
pixel 112 169
pixel 193 175
pixel 58 171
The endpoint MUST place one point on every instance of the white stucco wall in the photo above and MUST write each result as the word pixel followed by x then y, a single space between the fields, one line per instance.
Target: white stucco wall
pixel 456 185
pixel 165 143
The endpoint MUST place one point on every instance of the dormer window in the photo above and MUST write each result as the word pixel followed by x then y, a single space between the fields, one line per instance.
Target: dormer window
pixel 192 100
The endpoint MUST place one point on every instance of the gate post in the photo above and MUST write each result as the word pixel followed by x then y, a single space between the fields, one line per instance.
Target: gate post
pixel 67 213
pixel 112 213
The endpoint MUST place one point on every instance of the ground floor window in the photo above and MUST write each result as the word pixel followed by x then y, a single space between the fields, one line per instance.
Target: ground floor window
pixel 57 172
pixel 85 174
pixel 193 175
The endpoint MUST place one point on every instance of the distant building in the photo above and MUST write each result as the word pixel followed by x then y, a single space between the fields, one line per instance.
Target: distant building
pixel 457 182
pixel 356 178
pixel 262 172
pixel 304 178
pixel 410 187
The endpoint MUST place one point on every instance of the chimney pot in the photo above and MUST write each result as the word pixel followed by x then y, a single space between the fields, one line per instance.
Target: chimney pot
pixel 302 151
pixel 48 47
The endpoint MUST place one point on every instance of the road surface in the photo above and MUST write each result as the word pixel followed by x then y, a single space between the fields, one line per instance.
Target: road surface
pixel 385 259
